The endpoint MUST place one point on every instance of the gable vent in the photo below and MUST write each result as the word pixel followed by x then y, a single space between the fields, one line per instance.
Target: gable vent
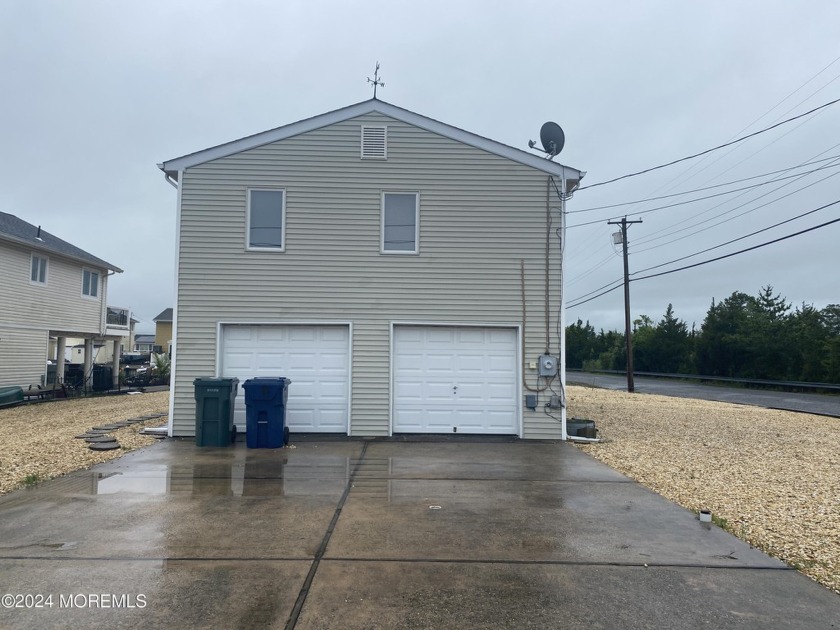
pixel 374 143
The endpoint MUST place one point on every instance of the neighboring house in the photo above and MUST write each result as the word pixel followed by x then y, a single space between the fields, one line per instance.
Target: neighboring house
pixel 403 273
pixel 144 343
pixel 163 331
pixel 49 289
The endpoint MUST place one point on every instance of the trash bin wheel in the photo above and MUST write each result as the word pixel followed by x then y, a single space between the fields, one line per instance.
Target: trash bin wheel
pixel 285 436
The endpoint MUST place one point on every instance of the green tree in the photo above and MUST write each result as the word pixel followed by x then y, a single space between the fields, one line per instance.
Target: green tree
pixel 723 348
pixel 807 340
pixel 769 336
pixel 580 344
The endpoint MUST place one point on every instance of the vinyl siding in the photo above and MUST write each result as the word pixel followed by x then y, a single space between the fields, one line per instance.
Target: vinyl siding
pixel 28 312
pixel 480 214
pixel 58 305
pixel 23 356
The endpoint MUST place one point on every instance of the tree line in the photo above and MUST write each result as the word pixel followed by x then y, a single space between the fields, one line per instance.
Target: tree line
pixel 742 336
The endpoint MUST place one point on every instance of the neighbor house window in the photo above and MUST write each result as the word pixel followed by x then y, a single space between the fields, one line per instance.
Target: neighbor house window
pixel 400 222
pixel 38 270
pixel 90 283
pixel 266 219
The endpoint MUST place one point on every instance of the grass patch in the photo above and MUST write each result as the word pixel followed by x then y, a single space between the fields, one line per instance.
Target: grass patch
pixel 32 480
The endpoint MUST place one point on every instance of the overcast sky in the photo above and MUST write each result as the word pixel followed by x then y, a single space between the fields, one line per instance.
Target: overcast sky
pixel 93 94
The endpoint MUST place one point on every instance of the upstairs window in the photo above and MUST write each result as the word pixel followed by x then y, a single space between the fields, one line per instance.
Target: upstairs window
pixel 400 223
pixel 266 219
pixel 38 270
pixel 90 283
pixel 374 143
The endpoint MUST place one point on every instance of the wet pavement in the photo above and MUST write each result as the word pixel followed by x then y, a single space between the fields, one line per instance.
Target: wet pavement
pixel 379 534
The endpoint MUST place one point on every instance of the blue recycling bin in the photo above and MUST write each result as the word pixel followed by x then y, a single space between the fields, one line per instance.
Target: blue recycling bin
pixel 265 412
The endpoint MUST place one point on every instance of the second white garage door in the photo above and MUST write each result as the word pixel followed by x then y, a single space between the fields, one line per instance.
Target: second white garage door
pixel 460 378
pixel 315 358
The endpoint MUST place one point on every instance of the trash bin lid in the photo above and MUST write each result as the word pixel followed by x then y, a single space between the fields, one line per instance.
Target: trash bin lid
pixel 214 381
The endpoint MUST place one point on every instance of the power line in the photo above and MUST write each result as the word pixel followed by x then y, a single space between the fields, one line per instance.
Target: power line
pixel 620 283
pixel 618 286
pixel 721 146
pixel 732 218
pixel 740 238
pixel 669 230
pixel 742 251
pixel 736 181
pixel 688 170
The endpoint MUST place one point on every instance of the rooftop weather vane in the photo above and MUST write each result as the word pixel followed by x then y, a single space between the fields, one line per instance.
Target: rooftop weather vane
pixel 375 80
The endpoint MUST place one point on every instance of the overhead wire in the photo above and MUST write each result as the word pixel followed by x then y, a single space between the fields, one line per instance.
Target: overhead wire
pixel 735 144
pixel 735 240
pixel 731 218
pixel 686 192
pixel 580 302
pixel 716 148
pixel 738 133
pixel 742 251
pixel 653 236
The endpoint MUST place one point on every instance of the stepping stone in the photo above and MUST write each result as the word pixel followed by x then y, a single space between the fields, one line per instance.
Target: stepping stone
pixel 107 427
pixel 104 446
pixel 90 434
pixel 99 439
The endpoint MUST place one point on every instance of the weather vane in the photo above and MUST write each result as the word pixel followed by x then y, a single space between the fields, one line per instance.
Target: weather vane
pixel 375 80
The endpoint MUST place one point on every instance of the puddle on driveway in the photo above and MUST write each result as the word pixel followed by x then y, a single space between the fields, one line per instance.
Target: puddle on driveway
pixel 236 477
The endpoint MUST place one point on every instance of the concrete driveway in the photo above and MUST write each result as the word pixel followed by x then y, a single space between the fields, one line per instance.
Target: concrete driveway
pixel 380 534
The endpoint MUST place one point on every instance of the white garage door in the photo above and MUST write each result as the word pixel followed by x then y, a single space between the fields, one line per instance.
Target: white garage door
pixel 315 358
pixel 449 378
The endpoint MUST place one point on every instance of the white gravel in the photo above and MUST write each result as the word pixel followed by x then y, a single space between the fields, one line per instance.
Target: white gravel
pixel 38 439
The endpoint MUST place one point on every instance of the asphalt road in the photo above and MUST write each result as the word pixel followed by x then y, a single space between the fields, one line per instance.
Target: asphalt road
pixel 823 404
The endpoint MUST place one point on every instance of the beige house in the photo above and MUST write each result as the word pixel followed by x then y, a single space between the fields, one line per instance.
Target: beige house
pixel 403 273
pixel 51 290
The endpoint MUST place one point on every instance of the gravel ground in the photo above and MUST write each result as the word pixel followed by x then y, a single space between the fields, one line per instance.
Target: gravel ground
pixel 770 477
pixel 38 442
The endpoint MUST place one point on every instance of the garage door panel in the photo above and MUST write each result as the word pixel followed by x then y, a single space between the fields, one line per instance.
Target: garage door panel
pixel 315 358
pixel 237 360
pixel 447 377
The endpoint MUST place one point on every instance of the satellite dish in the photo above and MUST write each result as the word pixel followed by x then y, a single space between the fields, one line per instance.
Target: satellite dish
pixel 552 138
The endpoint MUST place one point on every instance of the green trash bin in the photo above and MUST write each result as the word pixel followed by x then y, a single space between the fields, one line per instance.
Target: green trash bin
pixel 214 400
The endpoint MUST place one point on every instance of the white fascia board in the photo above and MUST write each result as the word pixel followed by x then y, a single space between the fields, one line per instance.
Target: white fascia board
pixel 173 166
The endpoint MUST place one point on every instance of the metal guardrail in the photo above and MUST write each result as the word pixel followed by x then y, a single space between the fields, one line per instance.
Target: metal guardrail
pixel 834 387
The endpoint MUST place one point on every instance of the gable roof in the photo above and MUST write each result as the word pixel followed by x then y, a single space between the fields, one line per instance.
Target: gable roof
pixel 173 166
pixel 19 231
pixel 164 316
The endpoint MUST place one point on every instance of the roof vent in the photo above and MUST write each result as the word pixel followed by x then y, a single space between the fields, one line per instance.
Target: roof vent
pixel 374 143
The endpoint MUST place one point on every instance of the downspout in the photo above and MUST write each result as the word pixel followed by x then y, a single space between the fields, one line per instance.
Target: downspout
pixel 173 357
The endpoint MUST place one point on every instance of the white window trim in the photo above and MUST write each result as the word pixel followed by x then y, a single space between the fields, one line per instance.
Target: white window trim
pixel 405 252
pixel 248 246
pixel 98 284
pixel 46 260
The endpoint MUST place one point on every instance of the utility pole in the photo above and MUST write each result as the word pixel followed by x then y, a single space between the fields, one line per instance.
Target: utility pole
pixel 624 223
